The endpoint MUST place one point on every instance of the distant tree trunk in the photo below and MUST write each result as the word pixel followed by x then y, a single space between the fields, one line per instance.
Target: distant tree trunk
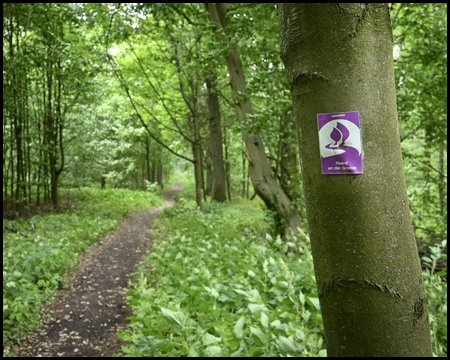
pixel 426 170
pixel 192 104
pixel 207 166
pixel 196 151
pixel 442 182
pixel 289 163
pixel 147 156
pixel 339 57
pixel 159 172
pixel 264 184
pixel 244 175
pixel 53 117
pixel 209 180
pixel 227 163
pixel 215 130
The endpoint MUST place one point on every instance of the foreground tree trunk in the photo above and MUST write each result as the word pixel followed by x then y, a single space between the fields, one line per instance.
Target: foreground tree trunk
pixel 260 172
pixel 339 57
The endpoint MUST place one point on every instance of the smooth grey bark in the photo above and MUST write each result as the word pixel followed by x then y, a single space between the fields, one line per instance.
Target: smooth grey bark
pixel 265 185
pixel 339 57
pixel 198 173
pixel 215 131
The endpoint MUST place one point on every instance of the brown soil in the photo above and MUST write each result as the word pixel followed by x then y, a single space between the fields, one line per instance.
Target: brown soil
pixel 86 316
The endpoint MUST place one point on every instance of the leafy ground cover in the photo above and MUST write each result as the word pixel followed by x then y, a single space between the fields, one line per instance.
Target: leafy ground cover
pixel 215 284
pixel 436 288
pixel 39 251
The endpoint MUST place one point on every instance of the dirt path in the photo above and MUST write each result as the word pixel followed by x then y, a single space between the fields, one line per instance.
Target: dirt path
pixel 86 316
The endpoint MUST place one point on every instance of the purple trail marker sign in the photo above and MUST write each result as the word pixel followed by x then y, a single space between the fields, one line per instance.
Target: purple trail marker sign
pixel 340 143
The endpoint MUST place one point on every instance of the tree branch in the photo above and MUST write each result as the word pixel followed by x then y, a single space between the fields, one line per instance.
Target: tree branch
pixel 226 99
pixel 183 14
pixel 160 97
pixel 248 157
pixel 426 163
pixel 23 37
pixel 124 85
pixel 412 132
pixel 186 99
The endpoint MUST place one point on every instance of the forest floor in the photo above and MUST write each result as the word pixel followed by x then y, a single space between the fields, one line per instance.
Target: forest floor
pixel 88 313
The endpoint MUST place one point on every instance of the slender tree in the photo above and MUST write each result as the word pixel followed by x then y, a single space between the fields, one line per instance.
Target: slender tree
pixel 265 185
pixel 215 130
pixel 339 57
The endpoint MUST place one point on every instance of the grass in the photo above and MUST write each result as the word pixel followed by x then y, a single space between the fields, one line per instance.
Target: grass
pixel 39 251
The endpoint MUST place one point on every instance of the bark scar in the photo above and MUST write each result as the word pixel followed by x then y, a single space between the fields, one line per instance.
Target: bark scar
pixel 336 282
pixel 419 309
pixel 362 19
pixel 307 75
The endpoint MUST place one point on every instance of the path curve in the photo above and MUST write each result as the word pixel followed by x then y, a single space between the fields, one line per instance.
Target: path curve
pixel 86 316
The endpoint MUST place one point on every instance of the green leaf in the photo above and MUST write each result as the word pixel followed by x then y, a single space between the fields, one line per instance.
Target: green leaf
pixel 212 291
pixel 176 317
pixel 242 292
pixel 276 323
pixel 239 351
pixel 255 308
pixel 300 334
pixel 259 334
pixel 238 328
pixel 193 352
pixel 213 351
pixel 264 319
pixel 302 298
pixel 288 345
pixel 209 339
pixel 314 301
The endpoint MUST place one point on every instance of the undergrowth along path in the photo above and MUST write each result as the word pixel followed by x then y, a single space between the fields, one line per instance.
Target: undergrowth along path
pixel 86 316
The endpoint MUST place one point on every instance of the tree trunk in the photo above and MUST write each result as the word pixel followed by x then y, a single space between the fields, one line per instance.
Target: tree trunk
pixel 159 171
pixel 442 183
pixel 339 57
pixel 289 164
pixel 260 172
pixel 227 163
pixel 244 175
pixel 215 130
pixel 147 156
pixel 198 175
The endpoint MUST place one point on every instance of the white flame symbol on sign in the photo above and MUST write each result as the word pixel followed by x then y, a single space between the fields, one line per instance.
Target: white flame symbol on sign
pixel 333 137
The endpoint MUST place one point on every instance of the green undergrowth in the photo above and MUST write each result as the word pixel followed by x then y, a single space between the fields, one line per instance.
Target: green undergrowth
pixel 436 288
pixel 39 251
pixel 215 284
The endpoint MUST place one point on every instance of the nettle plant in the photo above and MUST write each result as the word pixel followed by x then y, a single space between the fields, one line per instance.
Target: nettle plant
pixel 218 286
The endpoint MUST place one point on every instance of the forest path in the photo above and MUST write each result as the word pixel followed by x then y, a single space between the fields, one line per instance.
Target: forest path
pixel 86 316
